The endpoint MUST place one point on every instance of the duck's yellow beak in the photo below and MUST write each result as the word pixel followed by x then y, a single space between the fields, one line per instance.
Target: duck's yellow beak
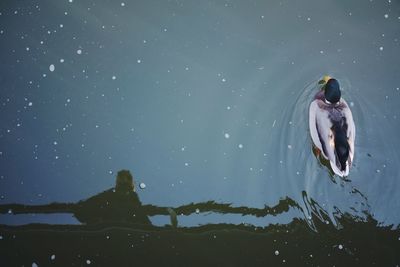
pixel 326 78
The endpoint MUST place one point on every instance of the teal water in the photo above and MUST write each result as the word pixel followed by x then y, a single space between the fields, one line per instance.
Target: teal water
pixel 201 101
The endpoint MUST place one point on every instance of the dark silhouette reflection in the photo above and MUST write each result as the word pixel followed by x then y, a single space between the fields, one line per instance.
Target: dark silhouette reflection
pixel 116 205
pixel 122 205
pixel 116 231
pixel 119 204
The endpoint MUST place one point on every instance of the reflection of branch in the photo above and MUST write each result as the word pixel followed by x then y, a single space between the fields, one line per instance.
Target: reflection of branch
pixel 129 211
pixel 211 206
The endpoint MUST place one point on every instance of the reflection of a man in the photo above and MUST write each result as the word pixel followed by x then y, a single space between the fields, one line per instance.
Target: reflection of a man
pixel 120 204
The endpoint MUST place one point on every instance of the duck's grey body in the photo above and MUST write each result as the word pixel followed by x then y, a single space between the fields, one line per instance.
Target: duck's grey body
pixel 332 131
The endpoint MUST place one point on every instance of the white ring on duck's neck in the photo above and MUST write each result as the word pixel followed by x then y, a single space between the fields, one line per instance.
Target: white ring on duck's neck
pixel 329 103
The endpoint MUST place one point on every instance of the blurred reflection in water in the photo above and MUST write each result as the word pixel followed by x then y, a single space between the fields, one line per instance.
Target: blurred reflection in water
pixel 207 100
pixel 121 204
pixel 115 221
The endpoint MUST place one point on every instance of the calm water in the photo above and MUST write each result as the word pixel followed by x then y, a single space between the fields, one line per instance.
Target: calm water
pixel 201 101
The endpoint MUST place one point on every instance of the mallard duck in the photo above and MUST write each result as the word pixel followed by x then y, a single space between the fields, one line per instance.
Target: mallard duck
pixel 332 127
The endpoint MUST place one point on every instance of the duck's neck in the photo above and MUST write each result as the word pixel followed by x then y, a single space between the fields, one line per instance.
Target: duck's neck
pixel 320 95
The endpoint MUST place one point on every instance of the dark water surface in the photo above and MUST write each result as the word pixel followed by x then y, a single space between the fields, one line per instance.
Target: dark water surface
pixel 206 103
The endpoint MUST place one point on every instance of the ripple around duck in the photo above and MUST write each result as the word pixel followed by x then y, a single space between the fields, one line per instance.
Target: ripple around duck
pixel 320 194
pixel 375 172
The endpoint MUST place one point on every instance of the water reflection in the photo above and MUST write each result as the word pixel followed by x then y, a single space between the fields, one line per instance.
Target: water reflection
pixel 121 204
pixel 115 222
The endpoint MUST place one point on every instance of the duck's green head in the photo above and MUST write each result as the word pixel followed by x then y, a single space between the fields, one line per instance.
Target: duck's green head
pixel 332 91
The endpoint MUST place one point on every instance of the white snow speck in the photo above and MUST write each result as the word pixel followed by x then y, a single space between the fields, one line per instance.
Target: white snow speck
pixel 142 185
pixel 70 1
pixel 223 80
pixel 386 16
pixel 53 257
pixel 381 48
pixel 55 143
pixel 240 146
pixel 122 4
pixel 1 237
pixel 139 61
pixel 308 19
pixel 114 77
pixel 34 264
pixel 88 262
pixel 30 104
pixel 79 51
pixel 276 252
pixel 340 246
pixel 289 146
pixel 226 135
pixel 61 60
pixel 228 107
pixel 52 67
pixel 197 211
pixel 186 164
pixel 351 104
